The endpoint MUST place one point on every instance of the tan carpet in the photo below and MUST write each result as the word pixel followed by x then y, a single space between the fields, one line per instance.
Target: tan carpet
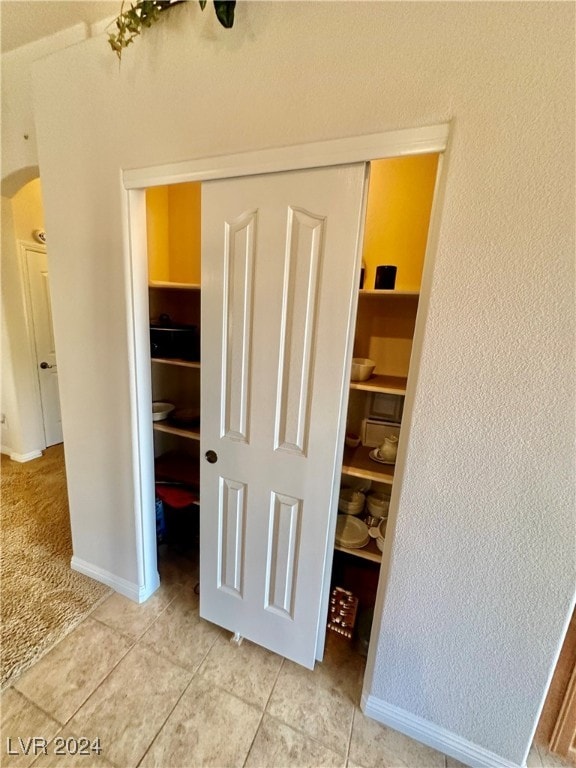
pixel 42 598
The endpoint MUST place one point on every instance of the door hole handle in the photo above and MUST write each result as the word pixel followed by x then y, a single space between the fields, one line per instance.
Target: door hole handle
pixel 211 457
pixel 45 365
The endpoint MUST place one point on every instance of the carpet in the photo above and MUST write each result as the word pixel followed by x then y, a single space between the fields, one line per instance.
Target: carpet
pixel 42 598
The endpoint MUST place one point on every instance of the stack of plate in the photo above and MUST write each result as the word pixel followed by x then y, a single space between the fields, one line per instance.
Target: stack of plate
pixel 351 532
pixel 351 502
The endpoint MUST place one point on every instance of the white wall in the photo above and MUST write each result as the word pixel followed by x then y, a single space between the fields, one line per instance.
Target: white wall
pixel 22 432
pixel 19 153
pixel 481 576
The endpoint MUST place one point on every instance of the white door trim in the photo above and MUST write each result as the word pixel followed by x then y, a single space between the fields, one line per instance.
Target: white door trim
pixel 410 141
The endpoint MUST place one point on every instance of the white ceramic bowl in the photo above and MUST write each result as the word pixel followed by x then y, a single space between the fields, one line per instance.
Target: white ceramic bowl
pixel 351 502
pixel 377 504
pixel 362 368
pixel 351 440
pixel 161 411
pixel 380 543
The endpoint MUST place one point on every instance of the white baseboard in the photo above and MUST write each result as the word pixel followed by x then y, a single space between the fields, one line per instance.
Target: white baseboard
pixel 124 587
pixel 433 735
pixel 5 450
pixel 22 457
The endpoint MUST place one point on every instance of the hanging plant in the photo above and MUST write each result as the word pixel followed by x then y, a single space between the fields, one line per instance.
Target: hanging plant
pixel 144 13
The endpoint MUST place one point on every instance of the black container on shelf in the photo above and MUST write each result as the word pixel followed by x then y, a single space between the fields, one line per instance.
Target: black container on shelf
pixel 385 278
pixel 172 340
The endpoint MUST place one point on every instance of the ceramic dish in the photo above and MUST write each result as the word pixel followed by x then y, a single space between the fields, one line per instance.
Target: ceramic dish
pixel 351 532
pixel 377 504
pixel 351 502
pixel 375 457
pixel 161 411
pixel 362 368
pixel 381 534
pixel 352 441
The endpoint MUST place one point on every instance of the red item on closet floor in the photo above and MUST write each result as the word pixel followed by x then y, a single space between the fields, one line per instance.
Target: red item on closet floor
pixel 175 497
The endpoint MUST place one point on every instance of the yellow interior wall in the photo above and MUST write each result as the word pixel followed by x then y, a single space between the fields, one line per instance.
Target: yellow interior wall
pixel 397 217
pixel 28 211
pixel 184 202
pixel 173 232
pixel 157 234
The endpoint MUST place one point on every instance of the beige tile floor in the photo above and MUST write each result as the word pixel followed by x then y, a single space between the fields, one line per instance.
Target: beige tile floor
pixel 158 686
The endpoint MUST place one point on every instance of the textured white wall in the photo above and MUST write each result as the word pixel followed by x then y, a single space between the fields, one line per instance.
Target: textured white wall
pixel 23 432
pixel 482 570
pixel 19 155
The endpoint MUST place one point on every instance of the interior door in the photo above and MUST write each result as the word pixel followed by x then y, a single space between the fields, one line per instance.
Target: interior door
pixel 280 265
pixel 45 350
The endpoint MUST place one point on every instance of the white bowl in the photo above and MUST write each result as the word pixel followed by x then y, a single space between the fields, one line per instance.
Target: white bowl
pixel 362 368
pixel 380 543
pixel 160 411
pixel 351 496
pixel 352 441
pixel 351 502
pixel 377 504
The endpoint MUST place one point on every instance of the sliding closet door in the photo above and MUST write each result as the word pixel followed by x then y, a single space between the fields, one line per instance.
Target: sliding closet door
pixel 279 267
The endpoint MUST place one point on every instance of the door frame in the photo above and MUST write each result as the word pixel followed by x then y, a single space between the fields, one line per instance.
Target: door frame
pixel 389 144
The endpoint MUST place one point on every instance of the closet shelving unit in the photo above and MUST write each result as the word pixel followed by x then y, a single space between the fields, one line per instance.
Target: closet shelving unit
pixel 176 380
pixel 380 312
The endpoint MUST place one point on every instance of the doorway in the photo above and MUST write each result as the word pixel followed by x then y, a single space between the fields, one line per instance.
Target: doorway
pixel 39 309
pixel 331 153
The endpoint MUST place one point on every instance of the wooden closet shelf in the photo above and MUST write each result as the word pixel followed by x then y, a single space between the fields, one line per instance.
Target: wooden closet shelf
pixel 369 552
pixel 174 286
pixel 163 426
pixel 358 463
pixel 395 292
pixel 392 385
pixel 176 361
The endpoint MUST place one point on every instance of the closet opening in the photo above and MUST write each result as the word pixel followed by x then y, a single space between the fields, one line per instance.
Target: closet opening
pixel 398 206
pixel 173 243
pixel 171 290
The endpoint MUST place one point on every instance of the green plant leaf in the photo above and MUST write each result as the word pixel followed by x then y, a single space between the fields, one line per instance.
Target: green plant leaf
pixel 225 12
pixel 143 13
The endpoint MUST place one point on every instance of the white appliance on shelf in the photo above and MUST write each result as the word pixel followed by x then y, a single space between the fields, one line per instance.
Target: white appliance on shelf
pixel 386 407
pixel 374 431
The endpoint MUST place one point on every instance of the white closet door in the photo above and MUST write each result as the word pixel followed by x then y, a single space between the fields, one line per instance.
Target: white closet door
pixel 279 268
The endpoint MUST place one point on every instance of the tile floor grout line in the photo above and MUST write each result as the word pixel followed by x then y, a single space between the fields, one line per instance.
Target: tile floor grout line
pixel 117 631
pixel 106 676
pixel 189 683
pixel 10 681
pixel 264 708
pixel 307 736
pixel 350 734
pixel 295 728
pixel 193 676
pixel 34 704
